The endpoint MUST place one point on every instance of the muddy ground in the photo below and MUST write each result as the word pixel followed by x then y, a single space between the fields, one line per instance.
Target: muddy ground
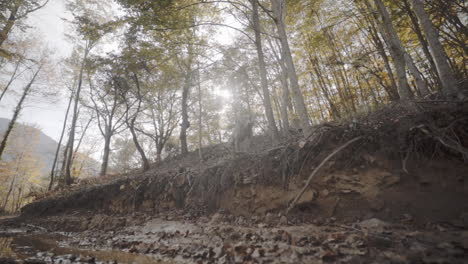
pixel 397 195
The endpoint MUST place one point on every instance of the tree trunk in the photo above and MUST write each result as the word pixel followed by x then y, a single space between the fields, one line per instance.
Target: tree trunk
pixel 263 74
pixel 185 119
pixel 68 167
pixel 57 151
pixel 131 126
pixel 422 41
pixel 9 23
pixel 395 47
pixel 12 78
pixel 392 91
pixel 105 156
pixel 200 129
pixel 279 11
pixel 17 111
pixel 420 83
pixel 448 80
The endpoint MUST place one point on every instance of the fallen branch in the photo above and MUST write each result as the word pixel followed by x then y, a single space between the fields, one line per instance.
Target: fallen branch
pixel 293 203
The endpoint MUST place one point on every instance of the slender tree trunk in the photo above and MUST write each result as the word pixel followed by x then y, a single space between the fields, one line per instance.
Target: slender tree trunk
pixel 131 125
pixel 420 83
pixel 185 119
pixel 7 197
pixel 17 111
pixel 397 53
pixel 284 88
pixel 105 156
pixel 263 74
pixel 144 159
pixel 81 139
pixel 57 151
pixel 447 77
pixel 279 11
pixel 393 89
pixel 12 78
pixel 422 41
pixel 200 129
pixel 19 200
pixel 71 140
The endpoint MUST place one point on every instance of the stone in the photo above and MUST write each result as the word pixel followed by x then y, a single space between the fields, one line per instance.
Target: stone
pixel 373 223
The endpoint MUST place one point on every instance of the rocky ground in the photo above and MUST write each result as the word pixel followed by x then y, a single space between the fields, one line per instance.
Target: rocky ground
pixel 398 195
pixel 172 238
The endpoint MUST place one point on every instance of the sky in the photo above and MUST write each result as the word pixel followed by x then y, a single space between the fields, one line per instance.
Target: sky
pixel 47 113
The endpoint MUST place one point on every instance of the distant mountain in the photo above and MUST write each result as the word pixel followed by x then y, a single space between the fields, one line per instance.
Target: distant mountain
pixel 45 147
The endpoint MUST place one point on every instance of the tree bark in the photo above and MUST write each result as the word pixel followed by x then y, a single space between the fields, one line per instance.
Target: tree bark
pixel 395 47
pixel 263 74
pixel 105 156
pixel 447 78
pixel 71 139
pixel 185 119
pixel 422 41
pixel 420 83
pixel 279 11
pixel 57 151
pixel 17 111
pixel 131 126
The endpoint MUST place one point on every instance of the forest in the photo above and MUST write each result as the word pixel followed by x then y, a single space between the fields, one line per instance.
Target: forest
pixel 234 131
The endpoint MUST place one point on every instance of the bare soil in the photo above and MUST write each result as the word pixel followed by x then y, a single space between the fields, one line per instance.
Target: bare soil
pixel 398 195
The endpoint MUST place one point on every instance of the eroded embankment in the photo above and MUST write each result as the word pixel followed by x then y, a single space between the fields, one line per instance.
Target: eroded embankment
pixel 408 164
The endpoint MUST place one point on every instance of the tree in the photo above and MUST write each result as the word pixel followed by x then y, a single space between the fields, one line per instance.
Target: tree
pixel 18 108
pixel 262 69
pixel 13 11
pixel 447 78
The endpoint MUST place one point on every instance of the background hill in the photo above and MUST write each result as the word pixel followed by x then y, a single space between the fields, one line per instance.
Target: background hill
pixel 45 148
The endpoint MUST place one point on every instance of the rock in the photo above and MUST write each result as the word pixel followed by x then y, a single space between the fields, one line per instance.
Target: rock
pixel 373 223
pixel 216 218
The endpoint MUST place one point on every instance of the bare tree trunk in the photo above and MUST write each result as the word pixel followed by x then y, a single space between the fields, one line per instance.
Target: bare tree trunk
pixel 12 78
pixel 57 151
pixel 393 89
pixel 185 122
pixel 131 125
pixel 17 111
pixel 422 41
pixel 71 139
pixel 7 197
pixel 395 47
pixel 105 156
pixel 263 74
pixel 449 82
pixel 200 129
pixel 279 11
pixel 420 83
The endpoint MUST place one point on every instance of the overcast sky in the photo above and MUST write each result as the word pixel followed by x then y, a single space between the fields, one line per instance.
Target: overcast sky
pixel 47 113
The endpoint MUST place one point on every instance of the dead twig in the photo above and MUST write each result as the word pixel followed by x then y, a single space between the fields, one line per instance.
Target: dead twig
pixel 317 169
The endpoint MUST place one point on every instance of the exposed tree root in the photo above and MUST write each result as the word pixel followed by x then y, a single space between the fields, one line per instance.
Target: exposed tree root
pixel 294 202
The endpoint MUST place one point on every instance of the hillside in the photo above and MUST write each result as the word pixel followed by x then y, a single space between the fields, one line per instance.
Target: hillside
pixel 45 148
pixel 364 205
